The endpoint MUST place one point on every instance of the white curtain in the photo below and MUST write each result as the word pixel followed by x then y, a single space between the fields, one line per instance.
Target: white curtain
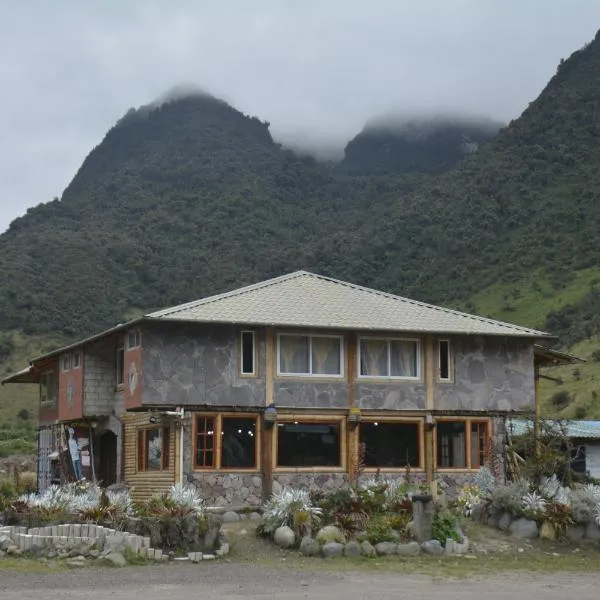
pixel 326 356
pixel 374 358
pixel 459 451
pixel 403 358
pixel 294 354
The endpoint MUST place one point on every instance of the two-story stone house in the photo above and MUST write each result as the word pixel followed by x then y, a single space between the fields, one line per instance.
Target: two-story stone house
pixel 298 380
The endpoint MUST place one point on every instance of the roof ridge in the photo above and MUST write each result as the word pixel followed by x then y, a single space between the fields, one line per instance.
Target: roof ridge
pixel 232 293
pixel 426 304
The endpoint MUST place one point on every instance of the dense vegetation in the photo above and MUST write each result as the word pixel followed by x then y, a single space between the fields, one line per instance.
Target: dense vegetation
pixel 192 197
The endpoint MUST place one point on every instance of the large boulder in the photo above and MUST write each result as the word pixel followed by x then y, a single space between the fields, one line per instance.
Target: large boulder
pixel 333 550
pixel 230 517
pixel 454 547
pixel 592 531
pixel 524 528
pixel 504 521
pixel 284 537
pixel 386 548
pixel 410 549
pixel 5 541
pixel 352 549
pixel 547 531
pixel 575 533
pixel 330 533
pixel 309 546
pixel 432 547
pixel 367 549
pixel 116 559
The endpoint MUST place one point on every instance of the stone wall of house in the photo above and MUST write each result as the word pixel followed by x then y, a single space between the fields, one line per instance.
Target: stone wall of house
pixel 308 394
pixel 399 395
pixel 324 482
pixel 197 364
pixel 490 374
pixel 231 490
pixel 99 397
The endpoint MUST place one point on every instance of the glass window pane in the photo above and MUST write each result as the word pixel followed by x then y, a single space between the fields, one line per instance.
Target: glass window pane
pixel 478 444
pixel 326 359
pixel 238 443
pixel 451 445
pixel 444 359
pixel 390 444
pixel 374 358
pixel 154 450
pixel 308 445
pixel 248 353
pixel 403 358
pixel 293 354
pixel 205 439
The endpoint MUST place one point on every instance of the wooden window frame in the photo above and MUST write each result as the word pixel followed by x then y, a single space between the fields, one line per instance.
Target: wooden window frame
pixel 137 340
pixel 66 361
pixel 399 420
pixel 142 446
pixel 76 355
pixel 218 445
pixel 394 378
pixel 254 354
pixel 468 421
pixel 327 376
pixel 119 385
pixel 54 400
pixel 439 378
pixel 324 419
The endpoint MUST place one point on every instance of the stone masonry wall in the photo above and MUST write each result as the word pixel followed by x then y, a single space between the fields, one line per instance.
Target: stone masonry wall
pixel 99 377
pixel 231 490
pixel 324 482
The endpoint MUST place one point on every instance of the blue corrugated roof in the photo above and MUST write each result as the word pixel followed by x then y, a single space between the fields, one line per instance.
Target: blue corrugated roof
pixel 575 429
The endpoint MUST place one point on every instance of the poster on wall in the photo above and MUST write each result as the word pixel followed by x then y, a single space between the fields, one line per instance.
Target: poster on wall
pixel 78 443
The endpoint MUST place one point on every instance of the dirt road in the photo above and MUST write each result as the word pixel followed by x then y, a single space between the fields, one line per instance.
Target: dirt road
pixel 233 581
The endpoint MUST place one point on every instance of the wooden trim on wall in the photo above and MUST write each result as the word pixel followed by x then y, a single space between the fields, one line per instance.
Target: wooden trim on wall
pixel 269 365
pixel 351 368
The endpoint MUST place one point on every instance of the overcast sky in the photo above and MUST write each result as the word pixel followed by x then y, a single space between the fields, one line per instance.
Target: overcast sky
pixel 316 69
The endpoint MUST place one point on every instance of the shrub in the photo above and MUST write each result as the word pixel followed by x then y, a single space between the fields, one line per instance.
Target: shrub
pixel 469 497
pixel 8 495
pixel 583 505
pixel 379 530
pixel 533 504
pixel 283 506
pixel 485 480
pixel 560 399
pixel 508 498
pixel 445 527
pixel 560 516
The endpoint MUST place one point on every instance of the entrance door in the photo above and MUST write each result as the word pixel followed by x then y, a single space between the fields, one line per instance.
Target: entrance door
pixel 106 470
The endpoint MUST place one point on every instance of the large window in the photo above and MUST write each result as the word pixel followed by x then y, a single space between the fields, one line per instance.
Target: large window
pixel 153 449
pixel 302 444
pixel 48 387
pixel 391 445
pixel 392 358
pixel 454 438
pixel 120 364
pixel 310 355
pixel 247 353
pixel 226 442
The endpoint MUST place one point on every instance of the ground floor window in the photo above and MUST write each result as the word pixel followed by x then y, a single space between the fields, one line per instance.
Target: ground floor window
pixel 153 449
pixel 307 444
pixel 226 442
pixel 455 438
pixel 391 445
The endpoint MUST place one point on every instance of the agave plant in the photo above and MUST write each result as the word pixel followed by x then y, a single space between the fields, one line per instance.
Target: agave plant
pixel 597 514
pixel 533 502
pixel 121 502
pixel 485 481
pixel 186 497
pixel 593 490
pixel 550 486
pixel 285 505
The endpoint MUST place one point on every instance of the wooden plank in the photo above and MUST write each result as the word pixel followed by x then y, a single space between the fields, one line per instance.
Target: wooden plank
pixel 270 365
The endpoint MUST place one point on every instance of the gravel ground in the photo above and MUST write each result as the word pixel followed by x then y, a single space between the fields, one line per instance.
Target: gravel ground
pixel 224 581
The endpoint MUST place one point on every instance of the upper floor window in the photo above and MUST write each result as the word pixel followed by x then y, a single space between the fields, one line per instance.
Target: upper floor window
pixel 76 360
pixel 153 449
pixel 390 358
pixel 247 353
pixel 48 387
pixel 120 364
pixel 444 361
pixel 311 355
pixel 133 339
pixel 65 362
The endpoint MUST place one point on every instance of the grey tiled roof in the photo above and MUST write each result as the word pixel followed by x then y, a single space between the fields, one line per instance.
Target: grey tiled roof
pixel 573 429
pixel 307 300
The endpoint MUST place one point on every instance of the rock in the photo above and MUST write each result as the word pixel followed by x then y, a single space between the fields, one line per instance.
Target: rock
pixel 5 542
pixel 2 553
pixel 114 543
pixel 454 547
pixel 592 532
pixel 309 546
pixel 575 532
pixel 75 563
pixel 208 557
pixel 37 551
pixel 524 529
pixel 330 533
pixel 493 521
pixel 367 549
pixel 505 521
pixel 352 549
pixel 254 516
pixel 432 547
pixel 547 531
pixel 284 537
pixel 13 549
pixel 116 559
pixel 386 548
pixel 230 517
pixel 332 550
pixel 477 513
pixel 223 550
pixel 410 549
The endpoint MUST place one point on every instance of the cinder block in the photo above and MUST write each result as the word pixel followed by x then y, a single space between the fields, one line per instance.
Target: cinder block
pixel 158 554
pixel 55 531
pixel 143 552
pixel 146 542
pixel 28 541
pixel 76 530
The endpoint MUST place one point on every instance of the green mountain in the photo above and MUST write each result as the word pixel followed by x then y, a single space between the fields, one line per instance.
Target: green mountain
pixel 190 197
pixel 393 145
